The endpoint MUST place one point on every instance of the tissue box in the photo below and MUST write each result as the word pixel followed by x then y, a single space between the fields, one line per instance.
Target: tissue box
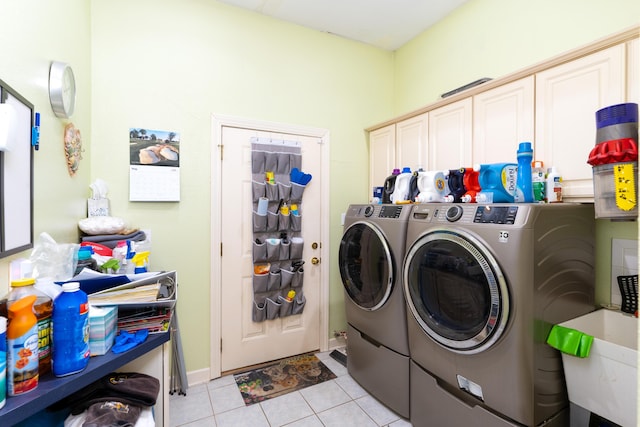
pixel 102 329
pixel 97 207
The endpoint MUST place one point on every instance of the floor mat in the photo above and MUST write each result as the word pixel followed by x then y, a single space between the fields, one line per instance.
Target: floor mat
pixel 281 377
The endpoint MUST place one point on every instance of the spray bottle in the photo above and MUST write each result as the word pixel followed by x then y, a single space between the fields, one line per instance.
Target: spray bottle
pixel 140 260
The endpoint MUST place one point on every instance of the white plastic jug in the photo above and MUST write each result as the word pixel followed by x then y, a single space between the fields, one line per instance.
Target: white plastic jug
pixel 402 186
pixel 432 186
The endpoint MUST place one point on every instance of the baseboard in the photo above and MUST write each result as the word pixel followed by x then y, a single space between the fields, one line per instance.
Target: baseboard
pixel 336 343
pixel 201 376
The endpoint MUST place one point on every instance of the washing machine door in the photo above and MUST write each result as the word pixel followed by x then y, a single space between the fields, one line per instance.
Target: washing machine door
pixel 456 291
pixel 366 265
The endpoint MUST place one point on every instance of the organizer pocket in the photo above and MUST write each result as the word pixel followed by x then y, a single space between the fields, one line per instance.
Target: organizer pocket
pixel 286 277
pixel 271 162
pixel 273 249
pixel 260 282
pixel 295 161
pixel 285 246
pixel 296 222
pixel 297 245
pixel 259 251
pixel 283 163
pixel 283 222
pixel 259 312
pixel 286 307
pixel 257 162
pixel 271 191
pixel 284 190
pixel 259 189
pixel 298 304
pixel 297 279
pixel 272 221
pixel 273 308
pixel 259 222
pixel 274 281
pixel 296 191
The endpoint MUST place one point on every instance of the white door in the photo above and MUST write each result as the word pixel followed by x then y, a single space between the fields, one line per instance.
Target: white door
pixel 450 136
pixel 382 149
pixel 244 342
pixel 411 142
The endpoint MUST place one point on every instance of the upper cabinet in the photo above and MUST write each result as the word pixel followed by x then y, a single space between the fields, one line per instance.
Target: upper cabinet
pixel 382 152
pixel 450 136
pixel 567 98
pixel 503 117
pixel 399 145
pixel 552 104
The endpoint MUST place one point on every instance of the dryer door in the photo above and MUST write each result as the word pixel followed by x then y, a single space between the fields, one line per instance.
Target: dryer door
pixel 456 290
pixel 366 265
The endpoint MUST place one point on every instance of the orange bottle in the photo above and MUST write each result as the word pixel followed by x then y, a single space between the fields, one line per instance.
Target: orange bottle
pixel 22 347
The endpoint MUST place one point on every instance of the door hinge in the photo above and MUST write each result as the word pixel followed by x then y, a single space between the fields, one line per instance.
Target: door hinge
pixel 220 345
pixel 221 151
pixel 220 248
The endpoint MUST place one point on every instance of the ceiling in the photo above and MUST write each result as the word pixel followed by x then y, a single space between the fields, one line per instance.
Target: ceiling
pixel 387 24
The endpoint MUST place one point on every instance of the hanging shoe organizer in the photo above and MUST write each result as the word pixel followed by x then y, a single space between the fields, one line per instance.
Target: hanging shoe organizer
pixel 277 224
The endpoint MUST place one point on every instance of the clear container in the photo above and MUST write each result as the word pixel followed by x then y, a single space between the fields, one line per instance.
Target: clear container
pixel 604 187
pixel 42 308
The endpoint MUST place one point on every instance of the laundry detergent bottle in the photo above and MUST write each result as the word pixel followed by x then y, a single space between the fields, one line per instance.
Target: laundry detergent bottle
pixel 498 182
pixel 403 186
pixel 471 186
pixel 3 361
pixel 455 182
pixel 70 331
pixel 389 186
pixel 432 186
pixel 22 347
pixel 524 181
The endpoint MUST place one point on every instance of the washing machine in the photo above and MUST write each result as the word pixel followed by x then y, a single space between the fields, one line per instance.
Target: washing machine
pixel 484 284
pixel 370 263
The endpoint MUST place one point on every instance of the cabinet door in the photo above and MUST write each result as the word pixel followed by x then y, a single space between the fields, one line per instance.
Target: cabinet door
pixel 411 142
pixel 567 98
pixel 633 71
pixel 382 146
pixel 450 136
pixel 502 118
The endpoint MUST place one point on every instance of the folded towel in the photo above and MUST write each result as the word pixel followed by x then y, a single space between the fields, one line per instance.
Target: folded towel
pixel 570 341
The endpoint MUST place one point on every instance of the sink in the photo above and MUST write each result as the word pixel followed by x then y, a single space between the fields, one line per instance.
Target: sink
pixel 606 382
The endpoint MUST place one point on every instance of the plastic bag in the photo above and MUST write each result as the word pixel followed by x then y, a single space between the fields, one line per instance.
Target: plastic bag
pixel 55 260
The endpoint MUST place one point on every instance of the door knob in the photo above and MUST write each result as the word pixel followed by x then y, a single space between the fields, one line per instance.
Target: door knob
pixel 315 260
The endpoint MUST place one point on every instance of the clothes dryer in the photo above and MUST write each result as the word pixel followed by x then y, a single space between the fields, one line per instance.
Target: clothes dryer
pixel 370 263
pixel 484 284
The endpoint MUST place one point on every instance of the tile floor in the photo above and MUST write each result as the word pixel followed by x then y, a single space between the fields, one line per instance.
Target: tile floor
pixel 339 402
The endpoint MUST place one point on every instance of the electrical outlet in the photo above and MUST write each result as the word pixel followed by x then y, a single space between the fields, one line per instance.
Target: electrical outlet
pixel 624 262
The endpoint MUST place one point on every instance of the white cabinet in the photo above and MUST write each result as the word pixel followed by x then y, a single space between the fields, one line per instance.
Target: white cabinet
pixel 411 142
pixel 382 152
pixel 396 146
pixel 633 71
pixel 567 98
pixel 502 118
pixel 450 136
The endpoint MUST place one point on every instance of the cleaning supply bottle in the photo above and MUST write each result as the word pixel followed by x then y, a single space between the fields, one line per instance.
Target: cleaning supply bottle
pixel 471 186
pixel 498 182
pixel 42 308
pixel 538 181
pixel 402 186
pixel 3 361
pixel 22 346
pixel 70 331
pixel 455 182
pixel 141 259
pixel 389 186
pixel 432 186
pixel 85 260
pixel 554 186
pixel 524 183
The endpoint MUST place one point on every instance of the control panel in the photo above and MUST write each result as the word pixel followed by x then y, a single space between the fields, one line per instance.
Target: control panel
pixel 495 214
